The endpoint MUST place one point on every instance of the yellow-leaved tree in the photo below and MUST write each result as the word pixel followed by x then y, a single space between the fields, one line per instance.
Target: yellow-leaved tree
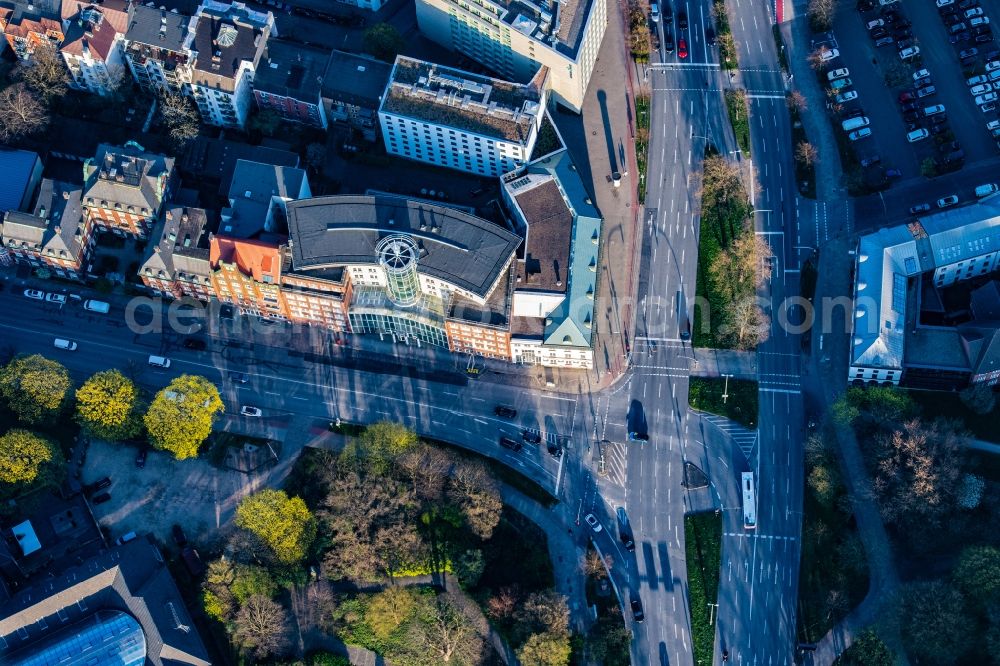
pixel 107 406
pixel 284 523
pixel 25 457
pixel 35 388
pixel 180 417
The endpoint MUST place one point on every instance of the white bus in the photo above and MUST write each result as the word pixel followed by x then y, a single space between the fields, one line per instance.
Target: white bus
pixel 749 502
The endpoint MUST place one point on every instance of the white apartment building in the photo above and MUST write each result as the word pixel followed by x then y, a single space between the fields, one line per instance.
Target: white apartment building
pixel 94 37
pixel 451 118
pixel 158 48
pixel 515 37
pixel 228 44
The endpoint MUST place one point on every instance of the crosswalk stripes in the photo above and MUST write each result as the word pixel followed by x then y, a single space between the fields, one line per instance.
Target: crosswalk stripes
pixel 744 437
pixel 615 461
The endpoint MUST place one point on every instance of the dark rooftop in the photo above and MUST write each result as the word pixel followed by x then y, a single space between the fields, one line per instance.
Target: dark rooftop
pixel 162 29
pixel 216 158
pixel 545 266
pixel 292 70
pixel 222 43
pixel 464 250
pixel 355 79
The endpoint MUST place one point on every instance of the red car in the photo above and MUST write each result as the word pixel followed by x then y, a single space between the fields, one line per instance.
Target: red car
pixel 906 96
pixel 682 48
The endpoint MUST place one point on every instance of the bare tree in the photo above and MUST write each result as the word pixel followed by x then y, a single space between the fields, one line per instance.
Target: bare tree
pixel 261 627
pixel 449 635
pixel 427 467
pixel 747 323
pixel 593 565
pixel 180 117
pixel 501 605
pixel 821 14
pixel 45 73
pixel 478 493
pixel 806 154
pixel 21 113
pixel 796 101
pixel 815 58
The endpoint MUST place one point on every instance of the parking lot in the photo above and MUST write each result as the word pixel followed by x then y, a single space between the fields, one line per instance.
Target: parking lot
pixel 900 84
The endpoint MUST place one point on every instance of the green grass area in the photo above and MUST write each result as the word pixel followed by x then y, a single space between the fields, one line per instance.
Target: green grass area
pixel 728 53
pixel 740 405
pixel 946 404
pixel 641 141
pixel 703 546
pixel 803 173
pixel 739 118
pixel 702 334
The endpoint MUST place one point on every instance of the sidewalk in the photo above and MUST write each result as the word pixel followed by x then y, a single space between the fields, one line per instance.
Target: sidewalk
pixel 719 362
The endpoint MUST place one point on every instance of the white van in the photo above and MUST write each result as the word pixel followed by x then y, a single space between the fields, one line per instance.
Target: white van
pixel 159 361
pixel 96 306
pixel 854 123
pixel 68 345
pixel 986 190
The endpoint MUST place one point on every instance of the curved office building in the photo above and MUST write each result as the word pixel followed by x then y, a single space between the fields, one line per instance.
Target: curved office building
pixel 107 637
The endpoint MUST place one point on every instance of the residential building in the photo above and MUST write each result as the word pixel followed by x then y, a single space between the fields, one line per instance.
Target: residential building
pixel 120 606
pixel 26 27
pixel 556 274
pixel 20 173
pixel 515 37
pixel 247 274
pixel 216 159
pixel 158 48
pixel 257 196
pixel 125 187
pixel 468 122
pixel 55 235
pixel 352 91
pixel 899 272
pixel 177 265
pixel 289 82
pixel 316 297
pixel 228 44
pixel 397 263
pixel 93 46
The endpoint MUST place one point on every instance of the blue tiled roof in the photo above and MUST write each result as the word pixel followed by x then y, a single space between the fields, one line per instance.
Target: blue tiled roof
pixel 16 167
pixel 106 638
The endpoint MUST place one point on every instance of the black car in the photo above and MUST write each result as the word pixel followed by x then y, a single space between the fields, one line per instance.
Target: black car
pixel 668 42
pixel 913 126
pixel 890 15
pixel 682 20
pixel 140 458
pixel 179 538
pixel 865 5
pixel 638 437
pixel 956 156
pixel 904 43
pixel 902 33
pixel 968 4
pixel 531 437
pixel 853 113
pixel 965 54
pixel 192 561
pixel 637 613
pixel 948 147
pixel 869 161
pixel 911 116
pixel 963 36
pixel 195 343
pixel 239 377
pixel 912 105
pixel 984 38
pixel 903 23
pixel 503 411
pixel 981 30
pixel 710 35
pixel 938 129
pixel 947 10
pixel 939 118
pixel 511 444
pixel 554 448
pixel 878 33
pixel 958 26
pixel 101 499
pixel 91 488
pixel 668 12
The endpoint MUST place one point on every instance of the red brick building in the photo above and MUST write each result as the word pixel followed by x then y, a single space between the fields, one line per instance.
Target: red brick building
pixel 247 274
pixel 125 188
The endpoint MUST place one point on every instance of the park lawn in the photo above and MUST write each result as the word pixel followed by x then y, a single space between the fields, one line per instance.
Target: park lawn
pixel 739 118
pixel 741 405
pixel 703 546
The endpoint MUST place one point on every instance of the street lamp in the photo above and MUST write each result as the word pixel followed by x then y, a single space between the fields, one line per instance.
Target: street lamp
pixel 725 391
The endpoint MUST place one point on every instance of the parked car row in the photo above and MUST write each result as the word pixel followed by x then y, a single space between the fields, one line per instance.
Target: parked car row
pixel 891 28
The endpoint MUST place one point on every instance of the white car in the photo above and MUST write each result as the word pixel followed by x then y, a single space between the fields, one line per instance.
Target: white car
pixel 877 23
pixel 909 52
pixel 986 99
pixel 862 133
pixel 247 410
pixel 994 76
pixel 828 54
pixel 981 89
pixel 993 65
pixel 975 11
pixel 993 124
pixel 837 74
pixel 979 20
pixel 593 522
pixel 947 201
pixel 55 298
pixel 846 96
pixel 921 74
pixel 944 3
pixel 976 80
pixel 35 294
pixel 917 135
pixel 933 110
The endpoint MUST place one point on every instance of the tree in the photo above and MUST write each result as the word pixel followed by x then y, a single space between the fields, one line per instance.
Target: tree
pixel 427 467
pixel 815 58
pixel 593 565
pixel 180 117
pixel 608 642
pixel 265 121
pixel 21 113
pixel 445 632
pixel 928 168
pixel 35 388
pixel 919 469
pixel 180 417
pixel 389 609
pixel 728 49
pixel 250 580
pixel 977 574
pixel 542 612
pixel 821 14
pixel 107 406
pixel 475 490
pixel 640 44
pixel 45 73
pixel 469 567
pixel 383 442
pixel 316 156
pixel 24 456
pixel 383 41
pixel 824 482
pixel 934 624
pixel 747 325
pixel 806 154
pixel 867 650
pixel 261 627
pixel 284 523
pixel 501 606
pixel 978 398
pixel 796 102
pixel 545 649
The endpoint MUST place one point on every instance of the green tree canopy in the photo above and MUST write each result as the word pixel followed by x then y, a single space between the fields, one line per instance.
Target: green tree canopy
pixel 978 574
pixel 35 388
pixel 934 623
pixel 546 649
pixel 106 405
pixel 284 523
pixel 383 442
pixel 180 417
pixel 389 609
pixel 25 457
pixel 383 41
pixel 867 650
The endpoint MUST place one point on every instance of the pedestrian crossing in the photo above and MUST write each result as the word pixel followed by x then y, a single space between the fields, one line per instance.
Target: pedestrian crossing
pixel 744 437
pixel 615 461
